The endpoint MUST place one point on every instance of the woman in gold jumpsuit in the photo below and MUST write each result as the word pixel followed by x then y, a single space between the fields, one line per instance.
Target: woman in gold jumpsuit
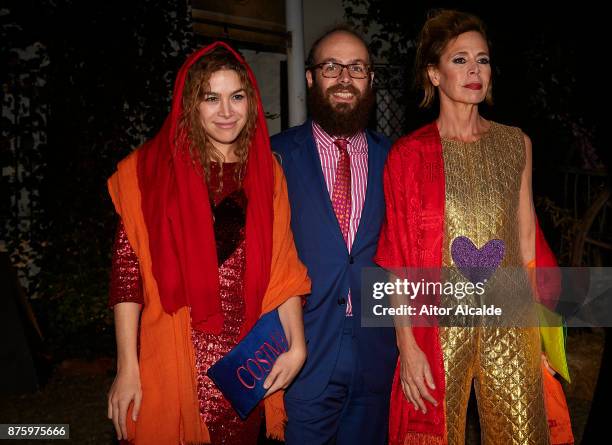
pixel 484 169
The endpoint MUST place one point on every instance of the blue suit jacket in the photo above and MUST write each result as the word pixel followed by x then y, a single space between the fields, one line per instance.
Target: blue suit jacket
pixel 331 267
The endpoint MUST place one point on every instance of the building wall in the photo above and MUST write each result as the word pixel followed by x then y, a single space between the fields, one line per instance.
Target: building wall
pixel 267 69
pixel 320 15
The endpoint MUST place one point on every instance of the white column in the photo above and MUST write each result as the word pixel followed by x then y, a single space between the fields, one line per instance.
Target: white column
pixel 295 62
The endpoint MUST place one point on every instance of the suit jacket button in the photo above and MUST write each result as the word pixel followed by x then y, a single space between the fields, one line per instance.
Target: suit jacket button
pixel 351 259
pixel 341 301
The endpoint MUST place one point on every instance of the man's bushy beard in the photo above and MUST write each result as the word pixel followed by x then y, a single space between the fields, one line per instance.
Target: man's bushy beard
pixel 340 120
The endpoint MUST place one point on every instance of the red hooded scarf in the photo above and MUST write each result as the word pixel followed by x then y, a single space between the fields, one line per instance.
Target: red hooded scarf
pixel 177 213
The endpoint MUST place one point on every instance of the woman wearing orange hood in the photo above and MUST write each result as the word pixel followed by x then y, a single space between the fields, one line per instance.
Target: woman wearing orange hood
pixel 204 248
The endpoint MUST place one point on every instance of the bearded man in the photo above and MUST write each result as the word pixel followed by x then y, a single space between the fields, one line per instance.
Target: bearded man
pixel 334 165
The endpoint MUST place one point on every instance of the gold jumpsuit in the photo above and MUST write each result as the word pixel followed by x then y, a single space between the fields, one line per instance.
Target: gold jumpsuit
pixel 483 180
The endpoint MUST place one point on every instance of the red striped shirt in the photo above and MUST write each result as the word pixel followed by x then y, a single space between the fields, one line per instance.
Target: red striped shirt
pixel 358 153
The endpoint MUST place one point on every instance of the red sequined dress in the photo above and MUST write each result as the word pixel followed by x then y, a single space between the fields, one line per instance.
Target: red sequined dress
pixel 229 213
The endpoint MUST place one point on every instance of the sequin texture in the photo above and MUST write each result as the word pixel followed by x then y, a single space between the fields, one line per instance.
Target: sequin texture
pixel 223 424
pixel 228 207
pixel 125 284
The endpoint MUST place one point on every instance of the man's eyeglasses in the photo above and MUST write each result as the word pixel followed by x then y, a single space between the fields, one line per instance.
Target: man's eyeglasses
pixel 333 69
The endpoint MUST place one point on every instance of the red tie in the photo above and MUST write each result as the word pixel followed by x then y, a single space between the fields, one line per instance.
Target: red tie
pixel 341 196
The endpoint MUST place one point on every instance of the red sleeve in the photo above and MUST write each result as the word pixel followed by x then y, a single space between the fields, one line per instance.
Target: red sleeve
pixel 125 284
pixel 388 253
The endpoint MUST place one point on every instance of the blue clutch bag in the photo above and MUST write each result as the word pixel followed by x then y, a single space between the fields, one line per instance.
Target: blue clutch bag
pixel 240 374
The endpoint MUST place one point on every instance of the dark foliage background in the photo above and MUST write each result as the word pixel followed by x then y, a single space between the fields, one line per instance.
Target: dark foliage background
pixel 83 83
pixel 544 57
pixel 105 88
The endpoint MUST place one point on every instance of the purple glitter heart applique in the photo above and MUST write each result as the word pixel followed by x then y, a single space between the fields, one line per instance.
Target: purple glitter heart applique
pixel 477 265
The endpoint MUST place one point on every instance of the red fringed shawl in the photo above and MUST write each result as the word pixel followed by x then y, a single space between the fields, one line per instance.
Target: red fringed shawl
pixel 412 236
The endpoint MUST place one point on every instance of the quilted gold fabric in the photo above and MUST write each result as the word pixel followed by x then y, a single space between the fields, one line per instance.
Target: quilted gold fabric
pixel 482 194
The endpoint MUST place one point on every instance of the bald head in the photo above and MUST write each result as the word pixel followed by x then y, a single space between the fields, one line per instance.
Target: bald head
pixel 343 35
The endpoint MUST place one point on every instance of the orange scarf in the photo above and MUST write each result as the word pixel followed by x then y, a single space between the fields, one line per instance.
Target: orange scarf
pixel 170 409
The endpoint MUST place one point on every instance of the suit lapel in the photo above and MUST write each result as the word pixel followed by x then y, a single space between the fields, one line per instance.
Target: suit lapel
pixel 307 160
pixel 375 164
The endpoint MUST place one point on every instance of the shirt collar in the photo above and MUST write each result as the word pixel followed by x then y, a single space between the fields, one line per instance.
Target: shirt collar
pixel 357 143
